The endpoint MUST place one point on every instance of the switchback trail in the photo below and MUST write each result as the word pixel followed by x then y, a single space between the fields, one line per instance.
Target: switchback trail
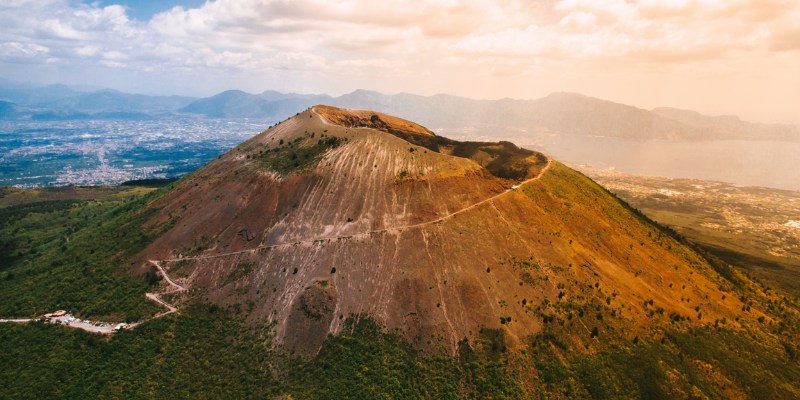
pixel 180 288
pixel 155 296
pixel 110 327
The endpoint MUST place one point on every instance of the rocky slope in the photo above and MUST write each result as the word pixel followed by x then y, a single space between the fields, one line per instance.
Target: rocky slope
pixel 336 213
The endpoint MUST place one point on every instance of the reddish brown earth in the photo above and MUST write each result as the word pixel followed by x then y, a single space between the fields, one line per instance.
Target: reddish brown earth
pixel 432 245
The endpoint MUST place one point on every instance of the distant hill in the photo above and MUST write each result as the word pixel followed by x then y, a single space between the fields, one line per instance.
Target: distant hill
pixel 61 102
pixel 564 113
pixel 239 104
pixel 32 95
pixel 272 95
pixel 9 110
pixel 231 103
pixel 108 101
pixel 559 113
pixel 728 126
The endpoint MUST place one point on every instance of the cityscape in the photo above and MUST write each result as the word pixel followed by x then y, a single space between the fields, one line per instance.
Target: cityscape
pixel 108 152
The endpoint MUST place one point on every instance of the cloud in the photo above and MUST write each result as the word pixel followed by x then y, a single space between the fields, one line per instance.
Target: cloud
pixel 16 52
pixel 579 21
pixel 785 34
pixel 112 64
pixel 87 50
pixel 425 41
pixel 786 40
pixel 358 28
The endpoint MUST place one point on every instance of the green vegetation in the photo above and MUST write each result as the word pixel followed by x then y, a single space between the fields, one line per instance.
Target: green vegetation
pixel 73 255
pixel 699 363
pixel 149 182
pixel 206 353
pixel 368 364
pixel 16 240
pixel 574 190
pixel 300 154
pixel 200 354
pixel 502 159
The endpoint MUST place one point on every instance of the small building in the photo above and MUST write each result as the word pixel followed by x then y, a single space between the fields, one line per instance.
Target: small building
pixel 58 313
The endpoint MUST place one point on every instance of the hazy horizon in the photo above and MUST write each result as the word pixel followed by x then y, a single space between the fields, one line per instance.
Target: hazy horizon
pixel 718 58
pixel 89 89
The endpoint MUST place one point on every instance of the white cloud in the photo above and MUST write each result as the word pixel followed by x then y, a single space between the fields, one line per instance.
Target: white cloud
pixel 23 52
pixel 58 30
pixel 421 41
pixel 112 64
pixel 579 21
pixel 87 50
pixel 359 28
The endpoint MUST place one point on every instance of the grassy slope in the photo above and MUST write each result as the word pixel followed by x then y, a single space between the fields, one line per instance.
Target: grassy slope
pixel 206 353
pixel 738 358
pixel 71 254
pixel 710 216
pixel 200 354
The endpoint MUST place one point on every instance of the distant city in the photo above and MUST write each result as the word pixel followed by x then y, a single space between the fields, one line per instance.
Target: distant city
pixel 108 152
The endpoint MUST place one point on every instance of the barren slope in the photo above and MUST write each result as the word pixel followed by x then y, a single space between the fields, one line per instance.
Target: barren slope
pixel 320 218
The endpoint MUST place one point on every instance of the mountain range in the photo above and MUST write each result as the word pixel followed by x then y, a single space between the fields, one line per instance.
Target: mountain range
pixel 63 102
pixel 558 113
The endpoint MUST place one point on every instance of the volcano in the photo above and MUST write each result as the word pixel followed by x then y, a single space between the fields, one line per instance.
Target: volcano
pixel 337 214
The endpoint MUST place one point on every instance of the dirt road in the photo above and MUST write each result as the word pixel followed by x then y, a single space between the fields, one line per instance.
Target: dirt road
pixel 155 296
pixel 104 327
pixel 69 321
pixel 368 233
pixel 178 287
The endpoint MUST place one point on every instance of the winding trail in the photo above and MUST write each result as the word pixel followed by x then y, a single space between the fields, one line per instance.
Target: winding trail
pixel 368 233
pixel 176 288
pixel 155 296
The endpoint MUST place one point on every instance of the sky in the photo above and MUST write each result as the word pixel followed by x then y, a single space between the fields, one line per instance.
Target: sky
pixel 737 57
pixel 143 10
